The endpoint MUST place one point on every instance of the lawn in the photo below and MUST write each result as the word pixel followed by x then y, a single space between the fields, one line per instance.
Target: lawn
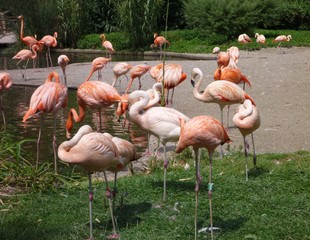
pixel 273 204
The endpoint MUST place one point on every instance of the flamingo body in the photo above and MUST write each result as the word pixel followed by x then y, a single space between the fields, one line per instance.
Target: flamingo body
pixel 137 72
pixel 120 69
pixel 97 65
pixel 260 38
pixel 244 39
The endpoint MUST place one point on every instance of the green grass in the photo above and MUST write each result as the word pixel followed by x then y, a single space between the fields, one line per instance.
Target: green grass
pixel 273 204
pixel 197 41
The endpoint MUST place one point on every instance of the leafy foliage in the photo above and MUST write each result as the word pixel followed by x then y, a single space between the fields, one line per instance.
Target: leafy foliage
pixel 227 17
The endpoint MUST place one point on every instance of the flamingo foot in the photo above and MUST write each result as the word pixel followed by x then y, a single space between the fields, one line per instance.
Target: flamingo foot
pixel 208 229
pixel 113 236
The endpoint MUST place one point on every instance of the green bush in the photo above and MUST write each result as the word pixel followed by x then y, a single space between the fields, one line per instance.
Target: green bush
pixel 227 17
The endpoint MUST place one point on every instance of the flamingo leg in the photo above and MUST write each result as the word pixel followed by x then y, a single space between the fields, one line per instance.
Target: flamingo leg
pixel 254 153
pixel 166 163
pixel 129 85
pixel 109 195
pixel 222 121
pixel 210 187
pixel 171 99
pixel 246 159
pixel 46 57
pixel 55 146
pixel 197 186
pixel 49 55
pixel 140 84
pixel 2 111
pixel 38 141
pixel 91 196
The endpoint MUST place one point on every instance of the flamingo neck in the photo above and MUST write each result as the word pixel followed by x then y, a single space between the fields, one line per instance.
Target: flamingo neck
pixel 137 107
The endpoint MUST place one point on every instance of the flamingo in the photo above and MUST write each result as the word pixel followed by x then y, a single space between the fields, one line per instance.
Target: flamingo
pixel 137 72
pixel 94 152
pixel 97 65
pixel 247 120
pixel 5 84
pixel 199 132
pixel 27 40
pixel 107 45
pixel 260 38
pixel 244 39
pixel 282 38
pixel 49 41
pixel 159 41
pixel 232 75
pixel 221 92
pixel 234 53
pixel 63 61
pixel 172 75
pixel 47 98
pixel 216 50
pixel 161 122
pixel 26 54
pixel 95 94
pixel 223 59
pixel 120 69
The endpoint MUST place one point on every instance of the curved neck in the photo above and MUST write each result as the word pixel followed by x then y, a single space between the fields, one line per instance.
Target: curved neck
pixel 137 107
pixel 77 118
pixel 196 92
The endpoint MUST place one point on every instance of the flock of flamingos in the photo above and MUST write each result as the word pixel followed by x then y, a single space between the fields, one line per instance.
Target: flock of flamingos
pixel 96 151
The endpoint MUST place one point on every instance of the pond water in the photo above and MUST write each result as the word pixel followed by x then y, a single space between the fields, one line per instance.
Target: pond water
pixel 16 102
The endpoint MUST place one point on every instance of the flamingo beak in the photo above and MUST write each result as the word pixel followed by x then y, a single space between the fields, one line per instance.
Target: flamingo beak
pixel 193 82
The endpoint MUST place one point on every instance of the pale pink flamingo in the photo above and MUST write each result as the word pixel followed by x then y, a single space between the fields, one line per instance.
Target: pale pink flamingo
pixel 26 54
pixel 234 53
pixel 95 152
pixel 244 39
pixel 63 62
pixel 159 41
pixel 161 122
pixel 119 70
pixel 155 69
pixel 5 84
pixel 47 98
pixel 137 72
pixel 282 38
pixel 97 65
pixel 94 94
pixel 171 75
pixel 247 120
pixel 216 50
pixel 49 41
pixel 260 38
pixel 202 132
pixel 107 45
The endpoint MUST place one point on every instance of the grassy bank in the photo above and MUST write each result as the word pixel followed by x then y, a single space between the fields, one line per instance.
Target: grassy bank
pixel 196 41
pixel 273 204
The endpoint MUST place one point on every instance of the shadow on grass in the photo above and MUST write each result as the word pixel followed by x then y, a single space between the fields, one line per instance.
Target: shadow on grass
pixel 258 172
pixel 128 214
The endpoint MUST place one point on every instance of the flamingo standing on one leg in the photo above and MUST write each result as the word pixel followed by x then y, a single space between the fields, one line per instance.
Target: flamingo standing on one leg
pixel 26 54
pixel 207 132
pixel 63 61
pixel 107 45
pixel 120 69
pixel 48 98
pixel 97 65
pixel 49 41
pixel 5 84
pixel 159 41
pixel 94 152
pixel 161 122
pixel 172 75
pixel 282 38
pixel 247 120
pixel 95 94
pixel 137 72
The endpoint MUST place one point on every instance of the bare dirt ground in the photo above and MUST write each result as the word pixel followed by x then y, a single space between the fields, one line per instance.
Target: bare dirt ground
pixel 280 87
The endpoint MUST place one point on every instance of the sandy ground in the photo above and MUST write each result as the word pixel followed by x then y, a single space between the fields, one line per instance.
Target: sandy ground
pixel 280 87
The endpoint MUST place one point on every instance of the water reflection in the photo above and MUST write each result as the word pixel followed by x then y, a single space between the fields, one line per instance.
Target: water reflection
pixel 16 103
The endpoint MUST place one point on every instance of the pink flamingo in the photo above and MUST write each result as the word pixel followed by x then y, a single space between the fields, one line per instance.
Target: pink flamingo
pixel 97 65
pixel 27 40
pixel 234 53
pixel 159 41
pixel 94 94
pixel 47 98
pixel 247 120
pixel 26 54
pixel 244 39
pixel 120 69
pixel 161 122
pixel 63 61
pixel 172 75
pixel 260 38
pixel 282 38
pixel 137 72
pixel 94 152
pixel 107 45
pixel 49 41
pixel 5 84
pixel 202 132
